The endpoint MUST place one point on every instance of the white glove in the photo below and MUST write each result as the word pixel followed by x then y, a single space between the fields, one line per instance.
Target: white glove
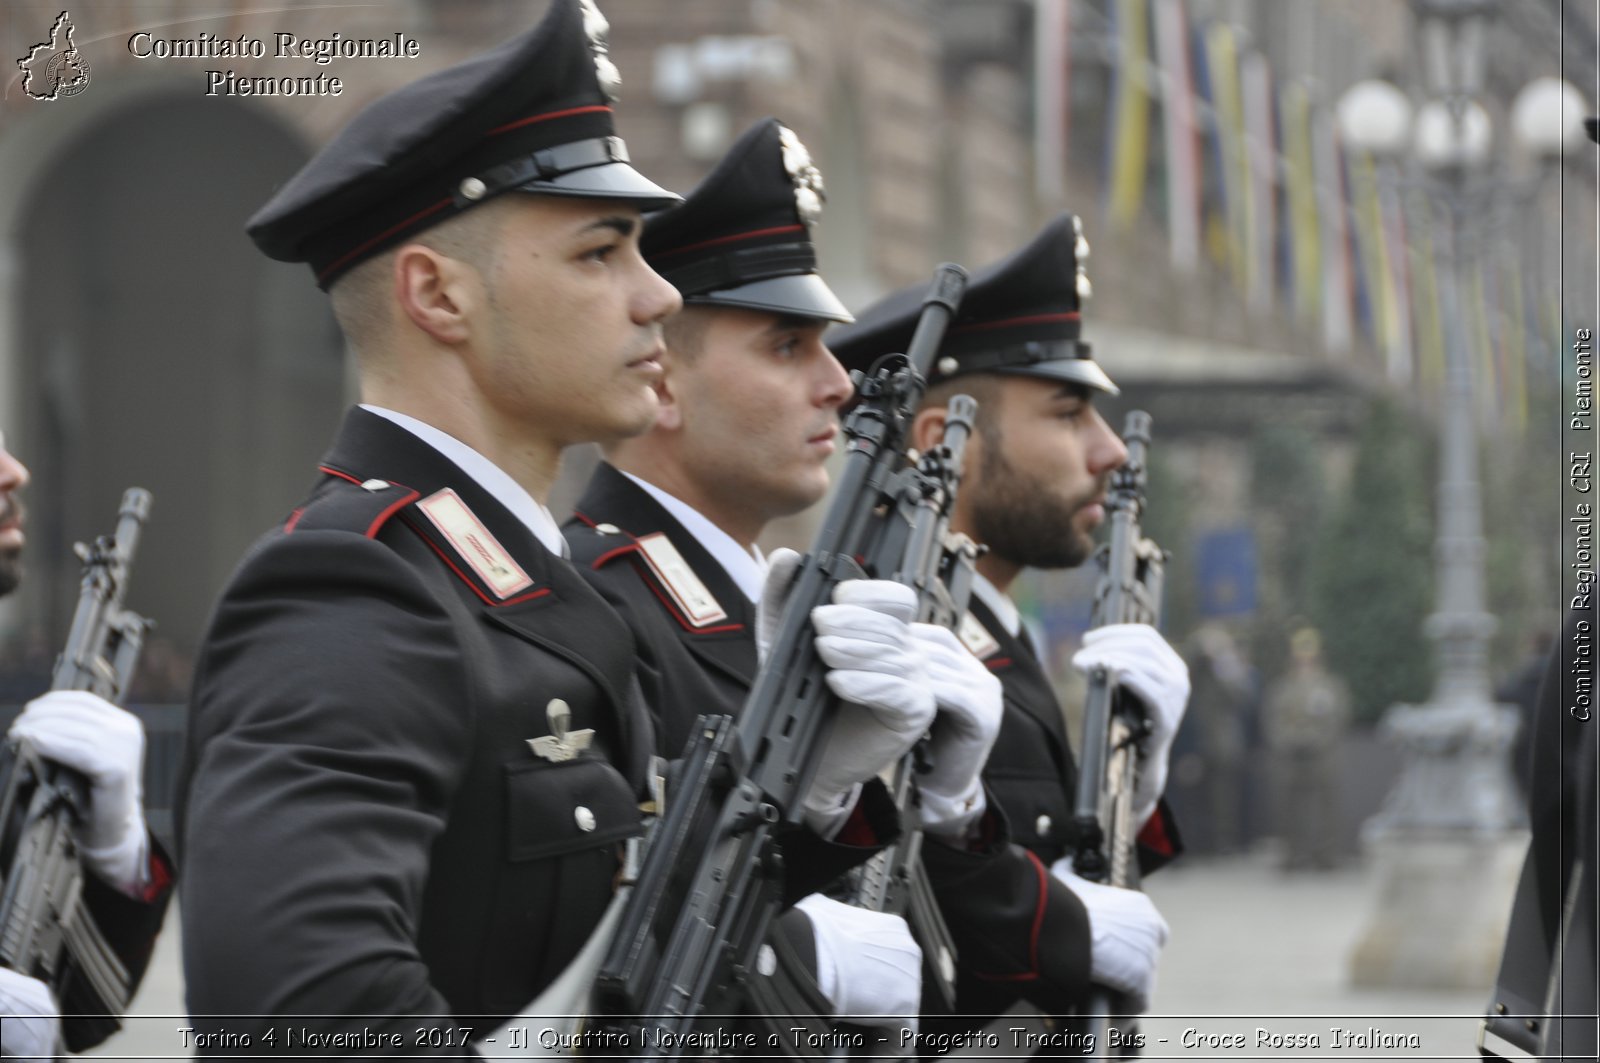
pixel 1126 935
pixel 88 734
pixel 971 704
pixel 29 1016
pixel 868 965
pixel 877 670
pixel 1142 662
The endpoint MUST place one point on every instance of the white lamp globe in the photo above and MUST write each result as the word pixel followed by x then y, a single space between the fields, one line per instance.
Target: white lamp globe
pixel 1443 144
pixel 1548 117
pixel 1375 117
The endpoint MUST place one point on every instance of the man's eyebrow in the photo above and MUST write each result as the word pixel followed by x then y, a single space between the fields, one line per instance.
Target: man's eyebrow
pixel 1074 391
pixel 790 323
pixel 623 224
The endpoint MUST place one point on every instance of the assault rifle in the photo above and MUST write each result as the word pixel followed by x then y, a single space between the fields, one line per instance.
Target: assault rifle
pixel 46 930
pixel 1128 592
pixel 711 878
pixel 921 552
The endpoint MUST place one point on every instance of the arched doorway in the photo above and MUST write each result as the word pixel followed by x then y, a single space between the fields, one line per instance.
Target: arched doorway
pixel 154 346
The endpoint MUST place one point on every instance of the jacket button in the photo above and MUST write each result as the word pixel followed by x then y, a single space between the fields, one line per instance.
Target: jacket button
pixel 1041 826
pixel 584 818
pixel 607 529
pixel 375 485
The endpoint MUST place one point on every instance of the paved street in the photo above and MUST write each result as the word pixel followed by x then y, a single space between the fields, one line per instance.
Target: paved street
pixel 1251 948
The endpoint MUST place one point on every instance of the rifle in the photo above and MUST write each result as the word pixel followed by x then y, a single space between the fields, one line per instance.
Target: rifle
pixel 924 555
pixel 46 930
pixel 711 877
pixel 1128 592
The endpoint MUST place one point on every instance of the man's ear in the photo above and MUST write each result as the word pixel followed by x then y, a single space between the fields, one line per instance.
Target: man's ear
pixel 436 293
pixel 669 415
pixel 927 428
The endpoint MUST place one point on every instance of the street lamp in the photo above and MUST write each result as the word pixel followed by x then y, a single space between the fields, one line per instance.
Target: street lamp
pixel 1449 838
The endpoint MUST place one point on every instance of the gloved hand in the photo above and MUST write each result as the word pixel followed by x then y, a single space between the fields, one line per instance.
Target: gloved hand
pixel 29 1015
pixel 877 670
pixel 970 706
pixel 88 734
pixel 1126 935
pixel 1142 662
pixel 868 965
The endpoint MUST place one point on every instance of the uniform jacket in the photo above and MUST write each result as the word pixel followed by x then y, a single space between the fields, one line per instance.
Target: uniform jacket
pixel 1031 769
pixel 1019 933
pixel 365 829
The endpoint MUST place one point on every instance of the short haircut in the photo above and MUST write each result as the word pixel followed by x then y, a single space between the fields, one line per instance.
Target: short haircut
pixel 361 299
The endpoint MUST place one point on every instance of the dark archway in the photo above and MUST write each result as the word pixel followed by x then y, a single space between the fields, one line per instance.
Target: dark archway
pixel 160 349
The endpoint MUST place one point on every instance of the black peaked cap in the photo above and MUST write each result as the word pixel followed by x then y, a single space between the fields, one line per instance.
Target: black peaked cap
pixel 742 238
pixel 1020 316
pixel 530 115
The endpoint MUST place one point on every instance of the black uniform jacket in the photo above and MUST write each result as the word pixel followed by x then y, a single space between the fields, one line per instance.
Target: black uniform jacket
pixel 366 828
pixel 1550 959
pixel 1031 769
pixel 1018 932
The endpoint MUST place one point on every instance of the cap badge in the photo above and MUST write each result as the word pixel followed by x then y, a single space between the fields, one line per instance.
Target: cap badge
pixel 596 26
pixel 808 194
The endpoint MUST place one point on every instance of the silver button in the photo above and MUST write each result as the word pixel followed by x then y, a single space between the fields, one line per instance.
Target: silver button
pixel 375 485
pixel 472 188
pixel 584 818
pixel 607 529
pixel 766 961
pixel 1041 826
pixel 948 365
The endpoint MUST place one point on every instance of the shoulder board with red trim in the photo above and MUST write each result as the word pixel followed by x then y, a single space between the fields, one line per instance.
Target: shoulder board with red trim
pixel 351 505
pixel 976 638
pixel 669 576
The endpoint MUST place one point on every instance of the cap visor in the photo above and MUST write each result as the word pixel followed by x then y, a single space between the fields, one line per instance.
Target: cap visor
pixel 1074 370
pixel 614 180
pixel 803 295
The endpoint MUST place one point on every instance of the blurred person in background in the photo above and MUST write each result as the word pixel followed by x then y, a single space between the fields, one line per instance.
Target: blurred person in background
pixel 1307 715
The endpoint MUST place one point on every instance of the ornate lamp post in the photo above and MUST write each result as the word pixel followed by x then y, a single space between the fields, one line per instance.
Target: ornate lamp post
pixel 1448 840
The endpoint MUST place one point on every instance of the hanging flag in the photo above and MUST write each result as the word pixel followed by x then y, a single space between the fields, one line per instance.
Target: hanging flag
pixel 1260 158
pixel 1430 326
pixel 1337 284
pixel 1182 149
pixel 1213 181
pixel 1132 106
pixel 1305 243
pixel 1222 62
pixel 1397 276
pixel 1052 69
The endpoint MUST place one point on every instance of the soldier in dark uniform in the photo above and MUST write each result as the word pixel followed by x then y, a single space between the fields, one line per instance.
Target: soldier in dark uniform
pixel 1036 472
pixel 129 877
pixel 667 531
pixel 415 742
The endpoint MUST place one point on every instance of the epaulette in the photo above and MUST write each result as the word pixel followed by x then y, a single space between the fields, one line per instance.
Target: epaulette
pixel 595 545
pixel 361 506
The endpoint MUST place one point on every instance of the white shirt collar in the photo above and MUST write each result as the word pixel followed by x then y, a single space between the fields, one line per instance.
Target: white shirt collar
pixel 747 568
pixel 1001 605
pixel 487 475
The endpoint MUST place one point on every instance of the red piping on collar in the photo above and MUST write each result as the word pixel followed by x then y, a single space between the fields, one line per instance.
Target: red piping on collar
pixel 540 593
pixel 645 575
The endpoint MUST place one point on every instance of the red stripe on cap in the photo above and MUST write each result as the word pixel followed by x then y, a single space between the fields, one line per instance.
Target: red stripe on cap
pixel 537 118
pixel 751 235
pixel 1035 319
pixel 390 231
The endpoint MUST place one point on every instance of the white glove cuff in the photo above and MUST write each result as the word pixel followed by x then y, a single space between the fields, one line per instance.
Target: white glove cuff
pixel 125 866
pixel 826 814
pixel 939 814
